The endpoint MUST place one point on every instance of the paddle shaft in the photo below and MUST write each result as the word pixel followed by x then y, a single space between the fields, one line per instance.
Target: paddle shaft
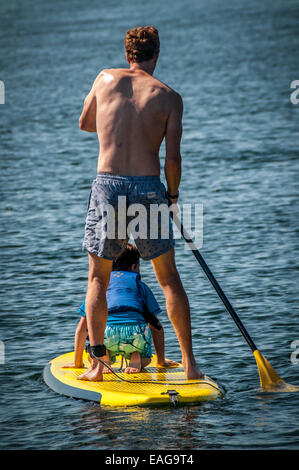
pixel 215 284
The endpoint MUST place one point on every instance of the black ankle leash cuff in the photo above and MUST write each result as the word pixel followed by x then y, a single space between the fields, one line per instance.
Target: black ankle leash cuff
pixel 97 351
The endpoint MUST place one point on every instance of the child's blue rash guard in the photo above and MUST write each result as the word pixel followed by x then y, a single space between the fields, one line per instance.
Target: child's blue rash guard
pixel 126 296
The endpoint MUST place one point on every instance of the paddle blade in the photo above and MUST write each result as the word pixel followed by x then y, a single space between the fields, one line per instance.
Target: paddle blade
pixel 270 380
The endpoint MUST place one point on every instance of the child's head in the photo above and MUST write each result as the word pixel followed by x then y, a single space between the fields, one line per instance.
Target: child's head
pixel 128 260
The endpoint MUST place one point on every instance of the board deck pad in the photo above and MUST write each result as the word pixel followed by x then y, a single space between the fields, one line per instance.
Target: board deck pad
pixel 152 386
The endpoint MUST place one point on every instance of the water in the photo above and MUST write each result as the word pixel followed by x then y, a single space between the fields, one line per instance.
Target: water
pixel 233 63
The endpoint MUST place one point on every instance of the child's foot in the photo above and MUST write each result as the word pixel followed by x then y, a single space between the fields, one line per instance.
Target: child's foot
pixel 135 364
pixel 132 370
pixel 73 366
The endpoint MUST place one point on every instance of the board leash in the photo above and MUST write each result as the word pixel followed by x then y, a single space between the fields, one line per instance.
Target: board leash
pixel 157 382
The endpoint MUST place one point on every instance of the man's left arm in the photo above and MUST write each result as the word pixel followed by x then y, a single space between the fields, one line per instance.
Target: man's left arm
pixel 172 166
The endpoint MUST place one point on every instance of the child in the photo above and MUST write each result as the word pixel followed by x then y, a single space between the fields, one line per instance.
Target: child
pixel 132 322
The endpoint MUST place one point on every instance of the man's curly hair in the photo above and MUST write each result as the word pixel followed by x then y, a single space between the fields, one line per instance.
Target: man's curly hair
pixel 142 43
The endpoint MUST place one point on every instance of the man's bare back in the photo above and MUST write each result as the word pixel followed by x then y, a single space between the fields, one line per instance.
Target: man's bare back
pixel 130 111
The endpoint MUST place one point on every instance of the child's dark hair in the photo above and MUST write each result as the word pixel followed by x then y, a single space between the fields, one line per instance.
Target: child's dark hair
pixel 129 256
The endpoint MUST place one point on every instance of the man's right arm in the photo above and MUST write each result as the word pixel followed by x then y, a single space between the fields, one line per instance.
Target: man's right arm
pixel 87 120
pixel 173 135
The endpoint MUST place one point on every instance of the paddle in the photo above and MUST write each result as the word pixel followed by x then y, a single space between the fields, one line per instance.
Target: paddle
pixel 269 379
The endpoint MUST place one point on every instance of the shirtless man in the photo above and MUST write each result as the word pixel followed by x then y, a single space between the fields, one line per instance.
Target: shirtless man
pixel 132 112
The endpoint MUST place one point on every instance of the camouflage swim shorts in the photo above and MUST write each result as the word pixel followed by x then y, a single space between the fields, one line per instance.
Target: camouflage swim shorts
pixel 111 217
pixel 124 339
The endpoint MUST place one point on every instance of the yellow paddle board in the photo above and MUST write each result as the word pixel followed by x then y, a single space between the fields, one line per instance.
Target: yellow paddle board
pixel 152 386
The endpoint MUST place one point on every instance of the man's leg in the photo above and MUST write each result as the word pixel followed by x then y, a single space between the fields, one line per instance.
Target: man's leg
pixel 96 308
pixel 107 361
pixel 177 308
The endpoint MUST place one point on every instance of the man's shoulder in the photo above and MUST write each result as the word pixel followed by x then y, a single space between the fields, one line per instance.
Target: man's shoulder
pixel 104 75
pixel 167 89
pixel 171 95
pixel 107 76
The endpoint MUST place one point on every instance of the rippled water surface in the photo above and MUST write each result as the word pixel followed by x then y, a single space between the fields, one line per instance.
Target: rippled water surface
pixel 233 63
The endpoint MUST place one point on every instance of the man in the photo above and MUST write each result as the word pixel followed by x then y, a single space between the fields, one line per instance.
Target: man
pixel 132 112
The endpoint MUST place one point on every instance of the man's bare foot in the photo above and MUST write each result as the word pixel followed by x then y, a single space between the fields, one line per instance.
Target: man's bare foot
pixel 93 363
pixel 192 372
pixel 106 360
pixel 93 374
pixel 106 369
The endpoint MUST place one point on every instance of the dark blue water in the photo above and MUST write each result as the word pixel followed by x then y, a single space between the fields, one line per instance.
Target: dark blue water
pixel 233 63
